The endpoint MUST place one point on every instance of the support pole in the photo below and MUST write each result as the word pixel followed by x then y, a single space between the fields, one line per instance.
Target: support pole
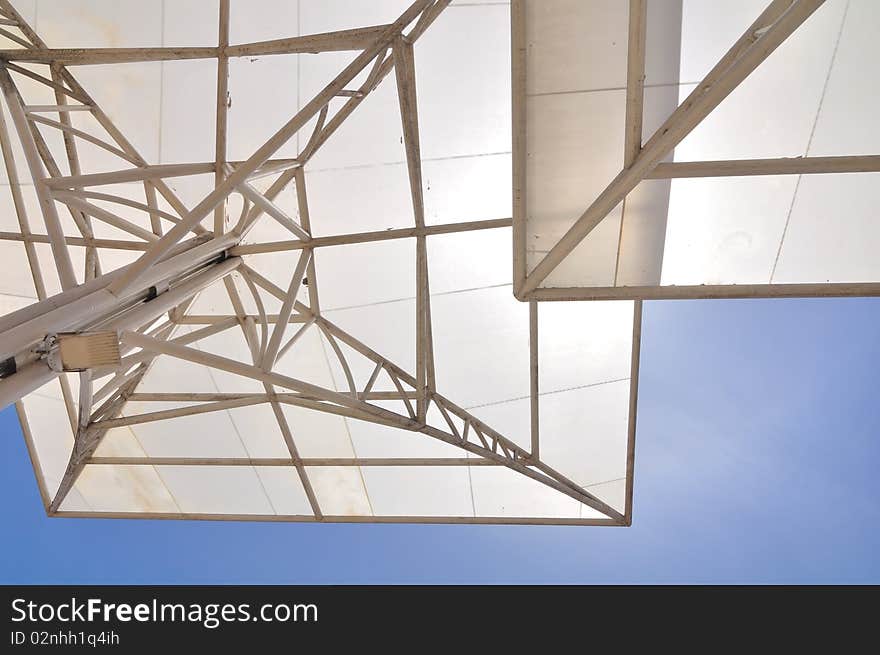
pixel 222 114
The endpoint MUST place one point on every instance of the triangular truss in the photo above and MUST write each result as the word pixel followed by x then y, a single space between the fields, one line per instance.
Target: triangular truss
pixel 177 252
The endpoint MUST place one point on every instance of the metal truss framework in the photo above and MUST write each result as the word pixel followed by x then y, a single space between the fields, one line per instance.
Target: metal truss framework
pixel 146 301
pixel 644 160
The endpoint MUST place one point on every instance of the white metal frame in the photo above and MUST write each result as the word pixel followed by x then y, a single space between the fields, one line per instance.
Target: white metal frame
pixel 644 161
pixel 146 300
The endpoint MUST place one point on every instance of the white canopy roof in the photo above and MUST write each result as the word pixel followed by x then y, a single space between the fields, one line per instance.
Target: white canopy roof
pixel 706 231
pixel 531 409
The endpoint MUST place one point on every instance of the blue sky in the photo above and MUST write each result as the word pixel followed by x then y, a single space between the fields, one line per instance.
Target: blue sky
pixel 757 454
